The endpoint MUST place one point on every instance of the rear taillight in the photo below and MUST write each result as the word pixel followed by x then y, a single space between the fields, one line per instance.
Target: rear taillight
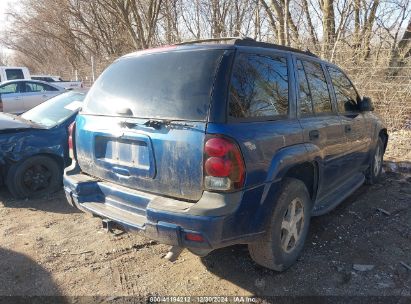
pixel 223 165
pixel 71 129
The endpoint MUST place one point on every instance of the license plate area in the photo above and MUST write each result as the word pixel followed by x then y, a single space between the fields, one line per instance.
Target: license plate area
pixel 128 156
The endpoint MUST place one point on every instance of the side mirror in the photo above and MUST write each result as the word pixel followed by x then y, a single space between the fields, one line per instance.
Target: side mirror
pixel 365 104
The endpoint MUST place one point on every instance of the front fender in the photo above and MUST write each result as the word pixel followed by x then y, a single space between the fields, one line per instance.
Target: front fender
pixel 20 146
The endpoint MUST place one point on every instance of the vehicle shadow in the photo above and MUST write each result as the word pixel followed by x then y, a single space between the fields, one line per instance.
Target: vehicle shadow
pixel 325 266
pixel 22 277
pixel 235 264
pixel 55 202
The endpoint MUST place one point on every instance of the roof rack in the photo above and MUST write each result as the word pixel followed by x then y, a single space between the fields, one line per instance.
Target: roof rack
pixel 247 41
pixel 225 39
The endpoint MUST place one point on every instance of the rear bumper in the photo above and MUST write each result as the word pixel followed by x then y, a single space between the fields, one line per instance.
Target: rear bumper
pixel 163 219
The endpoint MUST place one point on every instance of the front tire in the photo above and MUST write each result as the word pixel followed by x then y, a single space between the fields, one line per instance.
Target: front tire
pixel 287 230
pixel 34 177
pixel 373 173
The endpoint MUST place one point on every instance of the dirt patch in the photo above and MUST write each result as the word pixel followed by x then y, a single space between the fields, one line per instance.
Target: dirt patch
pixel 48 248
pixel 399 146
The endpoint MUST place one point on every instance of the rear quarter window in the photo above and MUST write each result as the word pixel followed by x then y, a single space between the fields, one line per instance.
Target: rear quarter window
pixel 258 87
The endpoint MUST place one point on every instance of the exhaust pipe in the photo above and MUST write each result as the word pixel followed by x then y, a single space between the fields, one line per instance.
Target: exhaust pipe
pixel 173 253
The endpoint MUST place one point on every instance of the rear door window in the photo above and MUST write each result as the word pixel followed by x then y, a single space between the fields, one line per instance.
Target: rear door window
pixel 305 103
pixel 259 87
pixel 169 85
pixel 320 95
pixel 14 74
pixel 345 93
pixel 38 87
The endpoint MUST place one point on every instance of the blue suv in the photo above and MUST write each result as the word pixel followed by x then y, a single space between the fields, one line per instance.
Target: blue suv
pixel 207 144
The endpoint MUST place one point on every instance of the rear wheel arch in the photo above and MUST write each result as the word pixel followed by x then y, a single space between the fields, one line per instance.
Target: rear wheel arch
pixel 307 172
pixel 383 134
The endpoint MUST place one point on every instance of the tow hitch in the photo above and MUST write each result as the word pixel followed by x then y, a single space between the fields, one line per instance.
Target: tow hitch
pixel 108 225
pixel 172 255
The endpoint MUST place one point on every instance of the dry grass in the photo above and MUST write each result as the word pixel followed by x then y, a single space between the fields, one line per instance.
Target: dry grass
pixel 399 146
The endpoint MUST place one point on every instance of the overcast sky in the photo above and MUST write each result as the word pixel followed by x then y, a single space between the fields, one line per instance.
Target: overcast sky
pixel 4 7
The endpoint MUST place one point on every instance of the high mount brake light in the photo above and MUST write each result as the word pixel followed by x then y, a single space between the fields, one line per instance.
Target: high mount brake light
pixel 224 168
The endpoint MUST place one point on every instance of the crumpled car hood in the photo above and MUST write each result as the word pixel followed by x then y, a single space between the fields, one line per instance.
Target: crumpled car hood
pixel 12 122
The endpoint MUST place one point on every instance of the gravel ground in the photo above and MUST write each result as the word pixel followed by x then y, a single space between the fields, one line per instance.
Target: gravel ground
pixel 48 248
pixel 362 248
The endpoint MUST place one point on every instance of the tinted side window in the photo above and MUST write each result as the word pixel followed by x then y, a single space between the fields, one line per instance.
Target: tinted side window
pixel 49 88
pixel 14 74
pixel 304 99
pixel 318 87
pixel 38 87
pixel 34 87
pixel 9 88
pixel 344 91
pixel 259 87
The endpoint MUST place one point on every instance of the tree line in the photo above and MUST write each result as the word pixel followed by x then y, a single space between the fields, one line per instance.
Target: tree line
pixel 51 33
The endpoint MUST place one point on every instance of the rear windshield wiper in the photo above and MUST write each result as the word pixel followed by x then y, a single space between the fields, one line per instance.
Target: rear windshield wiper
pixel 157 123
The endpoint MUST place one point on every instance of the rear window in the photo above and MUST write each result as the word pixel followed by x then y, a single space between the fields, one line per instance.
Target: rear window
pixel 13 74
pixel 174 85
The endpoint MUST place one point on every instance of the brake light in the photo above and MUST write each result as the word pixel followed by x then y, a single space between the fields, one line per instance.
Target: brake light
pixel 194 237
pixel 71 129
pixel 224 168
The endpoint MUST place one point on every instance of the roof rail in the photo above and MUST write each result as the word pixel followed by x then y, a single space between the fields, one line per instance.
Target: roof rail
pixel 208 40
pixel 247 41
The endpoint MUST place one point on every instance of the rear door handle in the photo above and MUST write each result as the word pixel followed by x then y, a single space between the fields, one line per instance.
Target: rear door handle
pixel 347 128
pixel 314 134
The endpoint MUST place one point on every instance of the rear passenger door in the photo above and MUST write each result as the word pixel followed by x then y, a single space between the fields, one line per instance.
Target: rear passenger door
pixel 320 122
pixel 36 93
pixel 354 122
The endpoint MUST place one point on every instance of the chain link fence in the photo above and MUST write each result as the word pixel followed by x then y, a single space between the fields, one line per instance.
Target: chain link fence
pixel 389 86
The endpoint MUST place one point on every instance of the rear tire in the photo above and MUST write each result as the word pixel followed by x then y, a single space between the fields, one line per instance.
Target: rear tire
pixel 34 177
pixel 373 173
pixel 287 229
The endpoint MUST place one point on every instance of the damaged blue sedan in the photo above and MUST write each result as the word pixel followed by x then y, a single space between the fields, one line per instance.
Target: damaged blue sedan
pixel 34 145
